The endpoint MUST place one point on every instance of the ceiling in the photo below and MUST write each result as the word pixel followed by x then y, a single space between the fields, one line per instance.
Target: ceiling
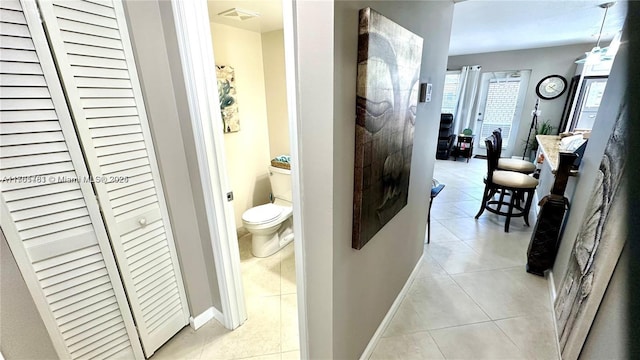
pixel 500 25
pixel 480 25
pixel 270 14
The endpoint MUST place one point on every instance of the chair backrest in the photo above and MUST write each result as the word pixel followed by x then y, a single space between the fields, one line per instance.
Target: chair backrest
pixel 493 154
pixel 498 134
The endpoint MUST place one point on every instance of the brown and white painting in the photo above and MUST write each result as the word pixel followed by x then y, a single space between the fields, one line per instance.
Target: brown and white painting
pixel 389 59
pixel 227 95
pixel 597 247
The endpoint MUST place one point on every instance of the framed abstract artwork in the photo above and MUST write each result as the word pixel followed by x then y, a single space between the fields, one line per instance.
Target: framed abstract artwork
pixel 389 61
pixel 228 101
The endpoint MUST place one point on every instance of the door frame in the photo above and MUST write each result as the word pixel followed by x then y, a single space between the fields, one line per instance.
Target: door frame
pixel 197 57
pixel 511 146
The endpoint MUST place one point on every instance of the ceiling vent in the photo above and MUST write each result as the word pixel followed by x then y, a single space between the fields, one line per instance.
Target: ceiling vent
pixel 239 14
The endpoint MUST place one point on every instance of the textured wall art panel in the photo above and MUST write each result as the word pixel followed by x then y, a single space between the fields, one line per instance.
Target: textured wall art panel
pixel 597 247
pixel 389 60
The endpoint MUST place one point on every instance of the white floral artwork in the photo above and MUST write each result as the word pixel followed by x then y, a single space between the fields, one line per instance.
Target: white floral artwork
pixel 227 97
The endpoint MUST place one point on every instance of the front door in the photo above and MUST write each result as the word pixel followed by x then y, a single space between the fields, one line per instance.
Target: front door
pixel 500 106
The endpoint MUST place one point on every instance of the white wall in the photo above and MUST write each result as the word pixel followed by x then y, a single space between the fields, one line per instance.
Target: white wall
pixel 22 331
pixel 607 333
pixel 542 62
pixel 350 291
pixel 314 62
pixel 247 151
pixel 276 92
pixel 609 336
pixel 613 96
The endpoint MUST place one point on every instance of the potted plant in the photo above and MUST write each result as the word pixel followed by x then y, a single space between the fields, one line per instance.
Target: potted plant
pixel 544 128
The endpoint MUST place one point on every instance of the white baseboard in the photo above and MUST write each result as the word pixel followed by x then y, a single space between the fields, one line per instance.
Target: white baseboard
pixel 552 286
pixel 368 351
pixel 552 299
pixel 205 317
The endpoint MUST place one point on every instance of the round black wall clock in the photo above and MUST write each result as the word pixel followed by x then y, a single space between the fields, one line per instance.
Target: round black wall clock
pixel 551 87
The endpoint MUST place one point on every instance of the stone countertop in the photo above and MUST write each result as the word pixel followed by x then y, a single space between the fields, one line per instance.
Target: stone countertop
pixel 550 147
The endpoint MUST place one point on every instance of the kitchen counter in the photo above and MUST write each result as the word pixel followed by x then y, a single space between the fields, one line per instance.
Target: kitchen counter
pixel 550 148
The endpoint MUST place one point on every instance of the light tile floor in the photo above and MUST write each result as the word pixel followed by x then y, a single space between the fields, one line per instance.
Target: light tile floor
pixel 271 331
pixel 472 298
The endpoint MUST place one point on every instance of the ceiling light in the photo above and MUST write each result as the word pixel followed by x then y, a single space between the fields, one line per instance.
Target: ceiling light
pixel 597 54
pixel 239 14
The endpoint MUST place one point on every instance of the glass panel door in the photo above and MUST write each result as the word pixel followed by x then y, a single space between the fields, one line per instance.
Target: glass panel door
pixel 500 106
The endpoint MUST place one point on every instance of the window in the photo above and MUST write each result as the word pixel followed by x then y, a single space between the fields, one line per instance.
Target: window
pixel 502 98
pixel 500 106
pixel 450 93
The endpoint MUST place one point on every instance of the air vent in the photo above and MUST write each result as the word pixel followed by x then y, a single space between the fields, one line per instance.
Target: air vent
pixel 239 14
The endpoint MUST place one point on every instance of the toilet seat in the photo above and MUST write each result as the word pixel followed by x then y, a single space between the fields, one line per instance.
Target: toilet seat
pixel 262 214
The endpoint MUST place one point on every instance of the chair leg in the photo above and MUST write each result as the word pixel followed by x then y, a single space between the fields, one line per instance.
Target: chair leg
pixel 429 223
pixel 512 201
pixel 501 199
pixel 485 198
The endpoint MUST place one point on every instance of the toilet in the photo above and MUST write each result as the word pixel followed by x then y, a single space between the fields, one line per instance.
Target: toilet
pixel 271 225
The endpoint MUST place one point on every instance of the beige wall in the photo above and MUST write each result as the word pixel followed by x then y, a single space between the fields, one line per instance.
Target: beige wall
pixel 247 151
pixel 22 332
pixel 609 334
pixel 350 291
pixel 314 62
pixel 542 62
pixel 612 99
pixel 276 92
pixel 155 47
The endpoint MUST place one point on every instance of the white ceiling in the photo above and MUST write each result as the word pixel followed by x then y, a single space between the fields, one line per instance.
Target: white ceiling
pixel 499 25
pixel 270 14
pixel 480 25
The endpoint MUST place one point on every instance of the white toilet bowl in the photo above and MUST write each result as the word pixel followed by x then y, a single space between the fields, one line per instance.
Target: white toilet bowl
pixel 271 227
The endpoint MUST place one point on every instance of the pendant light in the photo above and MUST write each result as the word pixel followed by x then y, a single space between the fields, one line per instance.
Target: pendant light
pixel 597 54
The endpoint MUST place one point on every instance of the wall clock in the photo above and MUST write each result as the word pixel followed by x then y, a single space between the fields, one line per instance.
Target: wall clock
pixel 551 87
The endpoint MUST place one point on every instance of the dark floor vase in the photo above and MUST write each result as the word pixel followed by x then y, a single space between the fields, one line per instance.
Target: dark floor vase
pixel 545 239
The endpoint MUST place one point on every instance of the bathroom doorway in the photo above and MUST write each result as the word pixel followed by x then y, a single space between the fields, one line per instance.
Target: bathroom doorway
pixel 236 155
pixel 248 47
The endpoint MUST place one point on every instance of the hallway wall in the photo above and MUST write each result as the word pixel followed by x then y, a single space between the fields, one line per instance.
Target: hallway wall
pixel 542 62
pixel 609 337
pixel 605 330
pixel 247 151
pixel 367 281
pixel 350 291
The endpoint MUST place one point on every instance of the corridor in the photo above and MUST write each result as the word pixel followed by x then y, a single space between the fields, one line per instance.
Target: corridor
pixel 471 298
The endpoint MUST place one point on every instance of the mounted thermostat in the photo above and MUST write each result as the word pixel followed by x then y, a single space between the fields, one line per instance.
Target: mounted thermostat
pixel 425 92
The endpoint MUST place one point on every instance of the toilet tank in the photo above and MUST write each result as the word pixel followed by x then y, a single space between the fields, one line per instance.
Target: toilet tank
pixel 280 183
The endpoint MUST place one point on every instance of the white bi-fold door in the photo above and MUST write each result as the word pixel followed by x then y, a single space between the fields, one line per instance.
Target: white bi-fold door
pixel 90 45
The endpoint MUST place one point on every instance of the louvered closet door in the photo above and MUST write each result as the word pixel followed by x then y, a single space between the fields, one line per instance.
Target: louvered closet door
pixel 54 228
pixel 92 48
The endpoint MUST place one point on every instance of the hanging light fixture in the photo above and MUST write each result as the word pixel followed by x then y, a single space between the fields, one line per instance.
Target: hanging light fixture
pixel 597 54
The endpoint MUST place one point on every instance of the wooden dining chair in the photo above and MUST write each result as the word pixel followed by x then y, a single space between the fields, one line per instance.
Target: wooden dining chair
pixel 518 165
pixel 517 186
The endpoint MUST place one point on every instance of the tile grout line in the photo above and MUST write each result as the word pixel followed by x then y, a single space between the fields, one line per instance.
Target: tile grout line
pixel 510 339
pixel 472 299
pixel 435 342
